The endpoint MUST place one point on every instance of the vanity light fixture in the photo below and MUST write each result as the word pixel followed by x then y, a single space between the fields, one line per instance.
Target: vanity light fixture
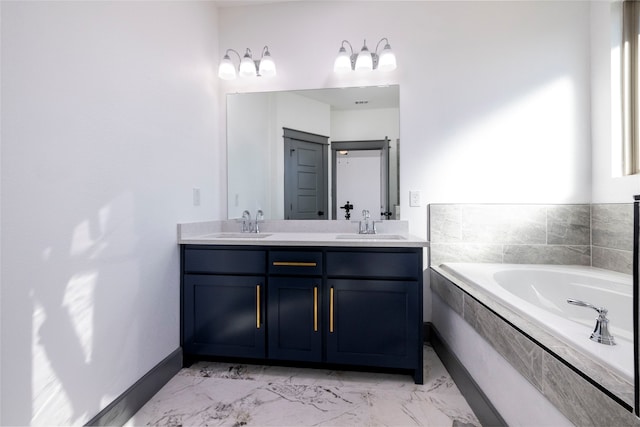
pixel 365 60
pixel 248 66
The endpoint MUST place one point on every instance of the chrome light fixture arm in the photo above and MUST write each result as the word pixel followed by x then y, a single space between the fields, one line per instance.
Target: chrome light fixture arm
pixel 226 54
pixel 248 67
pixel 227 69
pixel 375 56
pixel 365 60
pixel 351 56
pixel 265 65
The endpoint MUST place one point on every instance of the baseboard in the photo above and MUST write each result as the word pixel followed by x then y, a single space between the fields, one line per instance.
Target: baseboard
pixel 128 403
pixel 427 331
pixel 475 397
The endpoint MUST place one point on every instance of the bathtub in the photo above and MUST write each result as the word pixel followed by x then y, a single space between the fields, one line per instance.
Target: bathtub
pixel 538 293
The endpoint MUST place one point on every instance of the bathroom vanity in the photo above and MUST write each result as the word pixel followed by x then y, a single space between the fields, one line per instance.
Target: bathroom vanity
pixel 320 298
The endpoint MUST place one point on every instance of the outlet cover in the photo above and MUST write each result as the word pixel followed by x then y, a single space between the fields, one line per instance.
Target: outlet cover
pixel 414 198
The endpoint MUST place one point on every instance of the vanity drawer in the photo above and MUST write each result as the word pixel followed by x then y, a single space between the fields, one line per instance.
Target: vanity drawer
pixel 373 264
pixel 224 261
pixel 300 263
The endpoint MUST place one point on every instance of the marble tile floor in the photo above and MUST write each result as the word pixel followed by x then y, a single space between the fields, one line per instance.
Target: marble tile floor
pixel 226 394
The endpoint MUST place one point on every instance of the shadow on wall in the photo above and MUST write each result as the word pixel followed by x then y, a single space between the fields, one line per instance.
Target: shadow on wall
pixel 82 304
pixel 95 157
pixel 74 305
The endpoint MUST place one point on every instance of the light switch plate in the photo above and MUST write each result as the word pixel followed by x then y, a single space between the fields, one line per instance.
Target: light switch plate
pixel 414 198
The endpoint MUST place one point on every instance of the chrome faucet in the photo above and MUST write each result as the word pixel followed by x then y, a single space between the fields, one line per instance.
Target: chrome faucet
pixel 259 218
pixel 249 226
pixel 600 333
pixel 246 222
pixel 366 227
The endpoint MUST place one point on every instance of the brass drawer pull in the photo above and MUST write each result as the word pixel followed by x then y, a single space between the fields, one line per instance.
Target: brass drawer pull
pixel 315 309
pixel 257 306
pixel 331 310
pixel 294 264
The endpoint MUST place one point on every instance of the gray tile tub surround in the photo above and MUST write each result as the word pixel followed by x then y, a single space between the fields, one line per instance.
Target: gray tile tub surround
pixel 578 399
pixel 520 234
pixel 612 236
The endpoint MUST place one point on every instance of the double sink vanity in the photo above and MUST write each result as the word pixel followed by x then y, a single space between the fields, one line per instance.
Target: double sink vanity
pixel 303 292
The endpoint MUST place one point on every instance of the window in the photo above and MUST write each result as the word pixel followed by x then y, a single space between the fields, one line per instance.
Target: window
pixel 630 83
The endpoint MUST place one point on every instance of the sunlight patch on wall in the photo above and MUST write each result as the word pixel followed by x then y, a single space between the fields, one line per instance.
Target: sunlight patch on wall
pixel 57 368
pixel 79 301
pixel 49 402
pixel 526 151
pixel 85 241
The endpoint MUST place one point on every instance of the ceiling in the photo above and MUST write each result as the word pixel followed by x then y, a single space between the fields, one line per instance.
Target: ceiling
pixel 356 98
pixel 231 3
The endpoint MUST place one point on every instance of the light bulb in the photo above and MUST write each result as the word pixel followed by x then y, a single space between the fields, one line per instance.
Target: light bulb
pixel 267 66
pixel 387 59
pixel 247 67
pixel 364 61
pixel 342 63
pixel 226 70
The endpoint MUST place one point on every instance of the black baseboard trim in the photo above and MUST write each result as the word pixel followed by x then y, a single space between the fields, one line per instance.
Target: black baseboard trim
pixel 475 397
pixel 128 403
pixel 427 331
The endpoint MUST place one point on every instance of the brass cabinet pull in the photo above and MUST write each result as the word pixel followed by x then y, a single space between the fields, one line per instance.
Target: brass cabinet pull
pixel 294 264
pixel 257 306
pixel 315 309
pixel 331 310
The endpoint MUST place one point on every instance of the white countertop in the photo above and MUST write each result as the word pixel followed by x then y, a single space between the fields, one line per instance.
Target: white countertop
pixel 391 234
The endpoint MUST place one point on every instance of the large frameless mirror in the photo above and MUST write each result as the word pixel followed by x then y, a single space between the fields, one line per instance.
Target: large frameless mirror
pixel 280 157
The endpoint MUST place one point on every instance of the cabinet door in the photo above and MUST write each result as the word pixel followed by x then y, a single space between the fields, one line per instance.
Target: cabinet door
pixel 223 315
pixel 372 322
pixel 294 319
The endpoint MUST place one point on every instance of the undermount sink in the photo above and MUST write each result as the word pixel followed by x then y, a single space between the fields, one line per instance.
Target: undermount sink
pixel 370 236
pixel 237 235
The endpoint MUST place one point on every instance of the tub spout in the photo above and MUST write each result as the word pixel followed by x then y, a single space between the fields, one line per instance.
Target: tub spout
pixel 601 332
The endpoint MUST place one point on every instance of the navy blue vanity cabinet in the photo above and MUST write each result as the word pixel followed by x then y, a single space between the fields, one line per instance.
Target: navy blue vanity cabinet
pixel 326 305
pixel 223 302
pixel 374 308
pixel 294 305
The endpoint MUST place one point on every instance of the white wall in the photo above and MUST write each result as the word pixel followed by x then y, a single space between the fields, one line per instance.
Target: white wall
pixel 608 184
pixel 249 123
pixel 109 118
pixel 371 124
pixel 298 113
pixel 358 182
pixel 254 123
pixel 494 96
pixel 359 125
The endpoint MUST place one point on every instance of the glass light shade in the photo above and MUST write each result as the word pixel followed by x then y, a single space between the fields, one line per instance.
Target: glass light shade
pixel 387 59
pixel 226 70
pixel 342 63
pixel 247 67
pixel 267 66
pixel 364 61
